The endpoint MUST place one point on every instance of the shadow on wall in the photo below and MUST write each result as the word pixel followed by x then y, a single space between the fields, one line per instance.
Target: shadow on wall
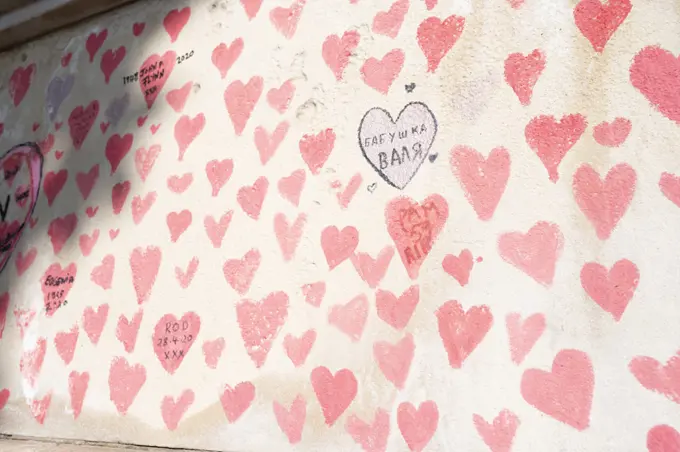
pixel 84 108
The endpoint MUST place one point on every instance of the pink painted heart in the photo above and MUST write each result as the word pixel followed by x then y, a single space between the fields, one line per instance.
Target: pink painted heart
pixel 397 311
pixel 102 275
pixel 32 360
pixel 598 21
pixel 239 273
pixel 144 263
pixel 371 437
pixel 337 245
pixel 177 98
pixel 56 283
pixel 119 194
pixel 551 139
pixel 523 335
pixel 186 131
pixel 336 51
pixel 292 421
pixel 670 187
pixel 20 82
pixel 395 360
pixel 298 349
pixel 380 74
pixel 498 435
pixel 522 73
pixel 414 227
pixel 604 202
pixel 65 343
pixel 389 22
pixel 80 122
pixel 417 426
pixel 290 187
pixel 536 252
pixel 145 160
pixel 178 222
pixel 372 271
pixel 140 206
pixel 110 62
pixel 251 198
pixel 126 330
pixel 172 411
pixel 212 351
pixel 350 318
pixel 125 381
pixel 334 392
pixel 94 321
pixel 251 7
pixel 657 377
pixel 154 73
pixel 436 37
pixel 77 387
pixel 611 289
pixel 612 134
pixel 462 331
pixel 224 57
pixel 266 143
pixel 260 323
pixel 285 20
pixel 314 293
pixel 94 43
pixel 236 401
pixel 52 184
pixel 86 181
pixel 216 229
pixel 175 21
pixel 173 338
pixel 279 98
pixel 241 99
pixel 315 149
pixel 219 172
pixel 653 72
pixel 179 184
pixel 566 392
pixel 459 266
pixel 288 235
pixel 663 438
pixel 117 148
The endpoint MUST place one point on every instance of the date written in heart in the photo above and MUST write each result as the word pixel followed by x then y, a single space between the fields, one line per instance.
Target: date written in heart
pixel 176 340
pixel 397 148
pixel 153 72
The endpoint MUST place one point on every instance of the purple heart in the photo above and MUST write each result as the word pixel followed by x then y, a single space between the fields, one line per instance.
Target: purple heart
pixel 57 90
pixel 116 109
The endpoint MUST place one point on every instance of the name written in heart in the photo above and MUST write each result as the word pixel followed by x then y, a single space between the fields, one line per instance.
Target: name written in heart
pixel 175 333
pixel 417 223
pixel 153 72
pixel 56 285
pixel 397 148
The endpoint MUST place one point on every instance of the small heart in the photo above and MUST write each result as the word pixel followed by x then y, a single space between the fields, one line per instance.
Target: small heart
pixel 432 157
pixel 154 128
pixel 141 120
pixel 33 222
pixel 410 88
pixel 371 188
pixel 36 126
pixel 104 126
pixel 91 211
pixel 138 28
pixel 57 125
pixel 59 154
pixel 66 59
pixel 113 233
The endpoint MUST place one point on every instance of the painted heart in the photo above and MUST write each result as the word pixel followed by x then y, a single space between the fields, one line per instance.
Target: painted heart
pixel 292 421
pixel 251 198
pixel 337 245
pixel 212 351
pixel 612 134
pixel 372 271
pixel 172 411
pixel 397 311
pixel 536 252
pixel 177 98
pixel 523 335
pixel 336 51
pixel 57 91
pixel 499 434
pixel 184 278
pixel 670 187
pixel 350 318
pixel 138 28
pixel 566 392
pixel 236 401
pixel 658 377
pixel 39 407
pixel 20 82
pixel 219 172
pixel 186 131
pixel 389 22
pixel 94 321
pixel 173 338
pixel 52 184
pixel 56 283
pixel 371 437
pixel 604 202
pixel 334 392
pixel 397 148
pixel 279 98
pixel 314 293
pixel 80 122
pixel 663 438
pixel 251 7
pixel 239 273
pixel 459 266
pixel 144 264
pixel 437 37
pixel 290 187
pixel 125 381
pixel 119 194
pixel 395 360
pixel 126 330
pixel 145 160
pixel 216 230
pixel 288 236
pixel 140 206
pixel 611 289
pixel 380 74
pixel 117 148
pixel 65 343
pixel 94 42
pixel 462 331
pixel 551 140
pixel 285 20
pixel 154 73
pixel 178 222
pixel 32 360
pixel 346 195
pixel 298 349
pixel 260 323
pixel 653 72
pixel 102 275
pixel 241 99
pixel 315 149
pixel 110 61
pixel 414 228
pixel 266 143
pixel 223 57
pixel 417 426
pixel 522 73
pixel 598 21
pixel 77 387
pixel 175 21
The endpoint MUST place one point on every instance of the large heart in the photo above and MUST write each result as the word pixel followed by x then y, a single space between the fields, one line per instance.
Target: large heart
pixel 396 149
pixel 21 169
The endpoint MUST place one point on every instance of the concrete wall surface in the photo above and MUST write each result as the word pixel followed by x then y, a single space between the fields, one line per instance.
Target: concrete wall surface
pixel 409 225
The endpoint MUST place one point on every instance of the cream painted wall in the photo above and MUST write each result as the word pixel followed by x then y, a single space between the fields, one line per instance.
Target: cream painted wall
pixel 510 285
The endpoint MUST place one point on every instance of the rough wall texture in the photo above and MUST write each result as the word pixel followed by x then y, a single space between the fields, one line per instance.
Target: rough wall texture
pixel 345 225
